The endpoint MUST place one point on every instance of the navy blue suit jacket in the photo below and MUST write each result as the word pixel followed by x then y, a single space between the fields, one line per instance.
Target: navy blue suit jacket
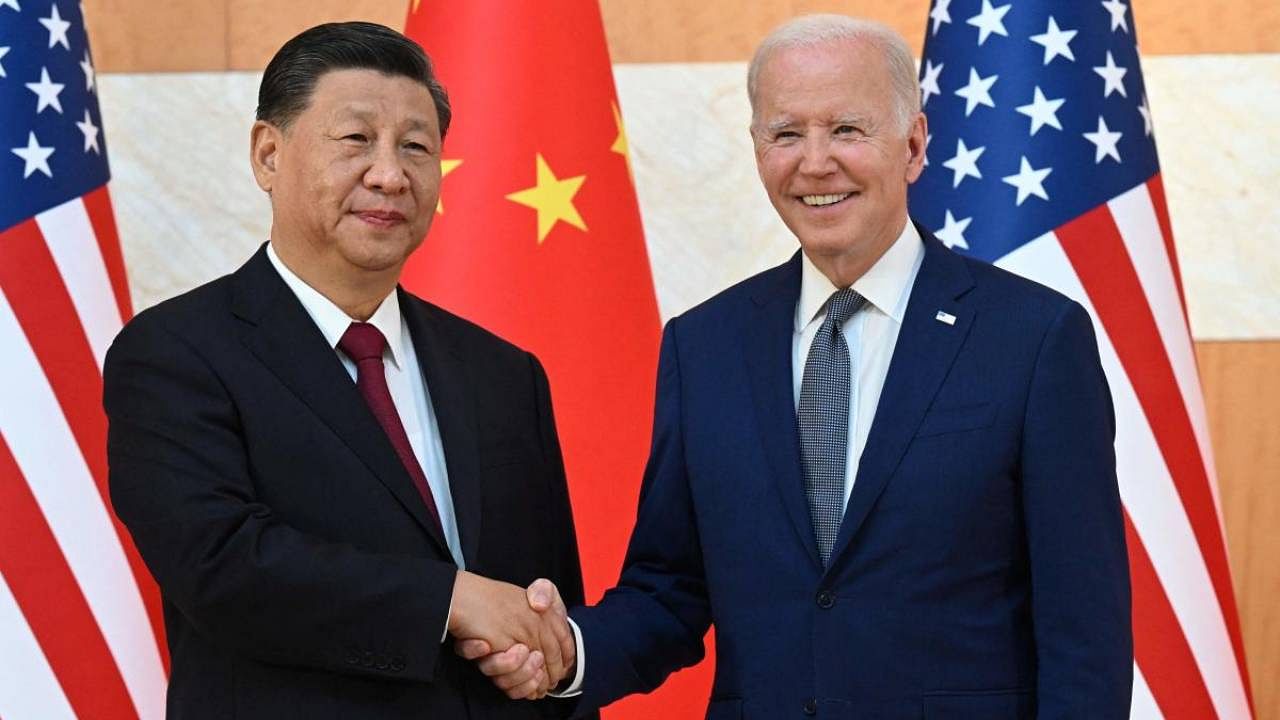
pixel 980 570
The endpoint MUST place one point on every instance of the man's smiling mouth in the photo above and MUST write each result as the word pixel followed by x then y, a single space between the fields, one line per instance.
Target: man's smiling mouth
pixel 823 200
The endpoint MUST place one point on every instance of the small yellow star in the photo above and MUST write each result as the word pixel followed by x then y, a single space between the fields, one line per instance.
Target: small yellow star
pixel 620 143
pixel 552 198
pixel 415 5
pixel 446 167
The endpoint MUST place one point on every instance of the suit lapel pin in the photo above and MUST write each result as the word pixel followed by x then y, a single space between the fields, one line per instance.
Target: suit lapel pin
pixel 945 317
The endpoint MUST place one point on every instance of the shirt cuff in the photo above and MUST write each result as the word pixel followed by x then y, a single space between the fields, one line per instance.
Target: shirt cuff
pixel 575 687
pixel 444 634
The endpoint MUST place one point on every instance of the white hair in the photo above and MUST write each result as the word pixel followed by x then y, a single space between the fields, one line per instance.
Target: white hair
pixel 821 29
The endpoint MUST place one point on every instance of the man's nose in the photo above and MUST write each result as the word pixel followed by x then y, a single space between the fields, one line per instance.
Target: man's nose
pixel 815 156
pixel 386 173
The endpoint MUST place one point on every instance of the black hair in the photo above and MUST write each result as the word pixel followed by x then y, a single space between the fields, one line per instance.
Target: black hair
pixel 291 76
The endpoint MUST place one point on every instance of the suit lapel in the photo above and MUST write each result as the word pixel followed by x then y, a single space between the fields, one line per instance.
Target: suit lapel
pixel 768 352
pixel 453 402
pixel 285 339
pixel 923 355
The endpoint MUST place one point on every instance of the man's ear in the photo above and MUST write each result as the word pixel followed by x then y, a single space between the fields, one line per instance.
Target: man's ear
pixel 265 140
pixel 917 143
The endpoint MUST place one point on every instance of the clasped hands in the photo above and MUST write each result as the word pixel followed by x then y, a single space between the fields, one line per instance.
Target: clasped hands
pixel 519 637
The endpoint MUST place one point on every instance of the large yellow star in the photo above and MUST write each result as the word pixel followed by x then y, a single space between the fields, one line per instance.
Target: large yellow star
pixel 415 5
pixel 552 198
pixel 620 143
pixel 446 167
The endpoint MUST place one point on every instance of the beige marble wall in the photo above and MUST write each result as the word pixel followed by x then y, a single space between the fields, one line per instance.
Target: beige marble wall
pixel 188 209
pixel 1219 143
pixel 186 205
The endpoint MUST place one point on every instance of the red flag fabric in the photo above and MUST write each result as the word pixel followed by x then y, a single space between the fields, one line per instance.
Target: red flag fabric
pixel 538 238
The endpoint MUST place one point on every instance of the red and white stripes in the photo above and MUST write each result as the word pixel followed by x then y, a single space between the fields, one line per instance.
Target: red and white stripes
pixel 1115 260
pixel 78 590
pixel 28 688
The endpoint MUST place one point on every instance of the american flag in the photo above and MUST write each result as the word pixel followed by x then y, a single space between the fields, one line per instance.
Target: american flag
pixel 1041 159
pixel 79 617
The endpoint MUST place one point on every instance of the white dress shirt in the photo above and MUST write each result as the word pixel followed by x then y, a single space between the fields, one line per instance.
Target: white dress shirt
pixel 871 333
pixel 404 380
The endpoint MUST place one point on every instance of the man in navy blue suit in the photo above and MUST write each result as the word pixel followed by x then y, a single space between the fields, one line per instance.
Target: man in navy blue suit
pixel 883 471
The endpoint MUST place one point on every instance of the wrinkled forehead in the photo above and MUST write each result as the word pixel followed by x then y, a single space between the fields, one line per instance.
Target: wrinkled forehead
pixel 374 113
pixel 372 97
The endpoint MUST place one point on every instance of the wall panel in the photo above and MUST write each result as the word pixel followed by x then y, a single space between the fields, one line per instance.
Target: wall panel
pixel 146 36
pixel 1241 383
pixel 724 30
pixel 727 30
pixel 142 36
pixel 257 28
pixel 1184 27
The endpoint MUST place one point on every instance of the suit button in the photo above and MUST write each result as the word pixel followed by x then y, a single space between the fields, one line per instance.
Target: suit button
pixel 810 707
pixel 826 599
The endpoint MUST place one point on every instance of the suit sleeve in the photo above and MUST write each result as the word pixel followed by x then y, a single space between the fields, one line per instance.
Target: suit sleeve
pixel 1076 530
pixel 654 621
pixel 566 565
pixel 180 481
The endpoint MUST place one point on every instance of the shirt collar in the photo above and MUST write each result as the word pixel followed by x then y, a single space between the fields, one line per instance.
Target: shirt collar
pixel 886 285
pixel 331 319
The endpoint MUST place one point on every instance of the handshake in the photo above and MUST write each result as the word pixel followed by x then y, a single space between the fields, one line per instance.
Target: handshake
pixel 520 638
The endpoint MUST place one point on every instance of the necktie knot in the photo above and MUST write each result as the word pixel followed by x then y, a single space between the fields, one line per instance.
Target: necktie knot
pixel 842 305
pixel 362 341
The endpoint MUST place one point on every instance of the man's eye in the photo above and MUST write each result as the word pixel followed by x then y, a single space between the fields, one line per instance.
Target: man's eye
pixel 786 135
pixel 846 130
pixel 416 147
pixel 355 137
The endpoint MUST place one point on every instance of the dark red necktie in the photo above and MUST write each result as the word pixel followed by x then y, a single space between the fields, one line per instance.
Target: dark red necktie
pixel 364 343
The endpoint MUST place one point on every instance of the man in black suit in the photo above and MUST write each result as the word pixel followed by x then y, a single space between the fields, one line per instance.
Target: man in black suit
pixel 326 474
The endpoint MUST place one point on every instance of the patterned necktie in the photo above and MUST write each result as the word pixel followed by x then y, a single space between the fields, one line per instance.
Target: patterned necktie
pixel 364 343
pixel 823 416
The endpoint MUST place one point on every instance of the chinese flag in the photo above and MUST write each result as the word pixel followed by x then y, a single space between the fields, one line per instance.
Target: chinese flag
pixel 538 238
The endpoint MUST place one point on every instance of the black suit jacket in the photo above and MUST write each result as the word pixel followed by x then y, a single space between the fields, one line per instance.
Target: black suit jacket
pixel 300 574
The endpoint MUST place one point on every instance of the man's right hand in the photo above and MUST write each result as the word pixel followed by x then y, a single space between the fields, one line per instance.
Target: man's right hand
pixel 517 671
pixel 503 617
